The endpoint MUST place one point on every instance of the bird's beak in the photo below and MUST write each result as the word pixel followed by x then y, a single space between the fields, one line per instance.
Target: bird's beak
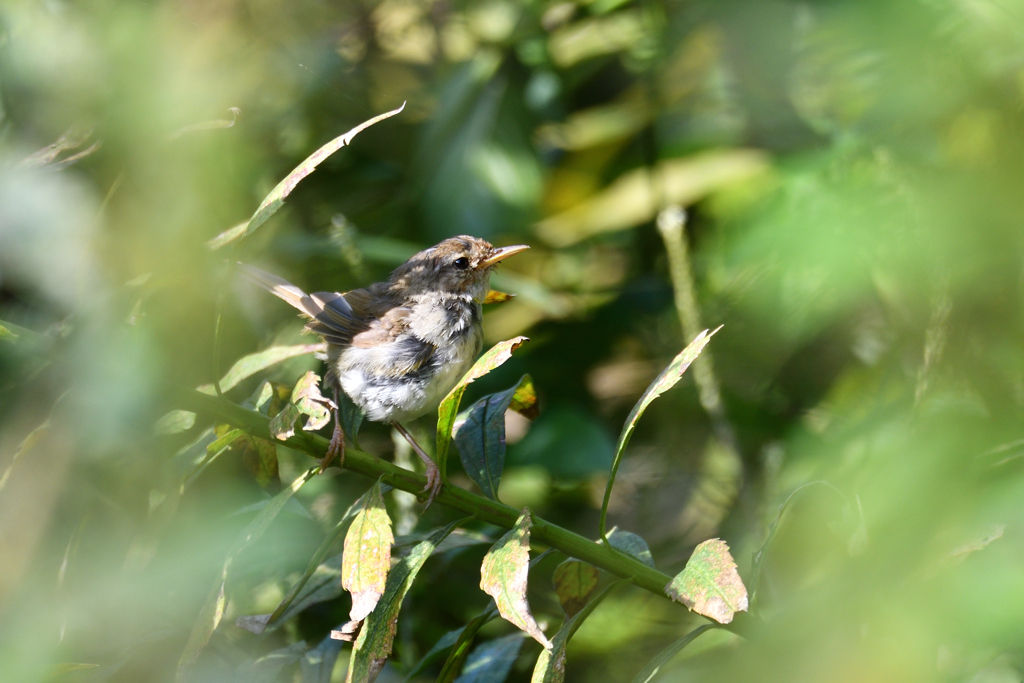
pixel 502 253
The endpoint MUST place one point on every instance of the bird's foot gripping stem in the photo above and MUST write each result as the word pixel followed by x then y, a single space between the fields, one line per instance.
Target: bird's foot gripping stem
pixel 434 482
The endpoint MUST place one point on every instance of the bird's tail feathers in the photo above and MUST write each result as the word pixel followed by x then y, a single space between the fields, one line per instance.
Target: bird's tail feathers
pixel 281 289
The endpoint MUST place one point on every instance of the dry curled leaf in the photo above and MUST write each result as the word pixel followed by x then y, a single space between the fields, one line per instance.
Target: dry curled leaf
pixel 710 584
pixel 306 400
pixel 503 576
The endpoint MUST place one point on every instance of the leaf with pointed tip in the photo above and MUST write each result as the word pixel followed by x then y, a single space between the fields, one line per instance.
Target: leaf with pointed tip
pixel 575 581
pixel 367 555
pixel 662 383
pixel 503 576
pixel 175 422
pixel 273 201
pixel 496 297
pixel 480 438
pixel 227 237
pixel 550 667
pixel 490 662
pixel 247 366
pixel 319 573
pixel 449 407
pixel 666 655
pixel 632 545
pixel 373 646
pixel 709 584
pixel 306 399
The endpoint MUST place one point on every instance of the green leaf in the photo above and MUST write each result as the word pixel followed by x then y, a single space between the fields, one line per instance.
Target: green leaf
pixel 273 201
pixel 550 667
pixel 666 655
pixel 449 407
pixel 175 422
pixel 247 366
pixel 260 457
pixel 317 664
pixel 503 576
pixel 227 237
pixel 7 334
pixel 373 646
pixel 710 584
pixel 318 573
pixel 481 438
pixel 367 555
pixel 460 650
pixel 662 383
pixel 491 662
pixel 306 399
pixel 575 581
pixel 268 668
pixel 632 545
pixel 213 609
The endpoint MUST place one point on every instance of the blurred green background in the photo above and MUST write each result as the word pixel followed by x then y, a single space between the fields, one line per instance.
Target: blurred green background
pixel 852 172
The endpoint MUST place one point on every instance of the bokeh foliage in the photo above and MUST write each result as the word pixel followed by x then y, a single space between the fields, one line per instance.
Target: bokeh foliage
pixel 852 172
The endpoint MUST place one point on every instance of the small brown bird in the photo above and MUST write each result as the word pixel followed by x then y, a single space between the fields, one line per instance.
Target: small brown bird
pixel 396 348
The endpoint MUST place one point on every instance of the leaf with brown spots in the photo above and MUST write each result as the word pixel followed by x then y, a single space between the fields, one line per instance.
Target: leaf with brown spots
pixel 503 576
pixel 373 644
pixel 710 584
pixel 307 400
pixel 575 581
pixel 366 557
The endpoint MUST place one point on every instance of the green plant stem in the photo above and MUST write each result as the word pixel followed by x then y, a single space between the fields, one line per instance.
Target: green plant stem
pixel 453 497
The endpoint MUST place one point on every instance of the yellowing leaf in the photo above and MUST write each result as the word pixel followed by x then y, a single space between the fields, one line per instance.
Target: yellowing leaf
pixel 367 555
pixel 503 576
pixel 496 297
pixel 273 201
pixel 449 408
pixel 373 645
pixel 662 383
pixel 306 399
pixel 710 584
pixel 575 581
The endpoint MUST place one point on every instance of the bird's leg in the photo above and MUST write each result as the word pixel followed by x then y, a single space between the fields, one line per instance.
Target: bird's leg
pixel 433 474
pixel 337 446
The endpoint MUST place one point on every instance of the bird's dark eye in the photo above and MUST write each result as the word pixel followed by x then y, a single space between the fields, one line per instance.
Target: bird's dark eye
pixel 461 263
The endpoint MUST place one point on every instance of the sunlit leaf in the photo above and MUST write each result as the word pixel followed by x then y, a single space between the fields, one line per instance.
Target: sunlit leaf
pixel 496 297
pixel 490 662
pixel 6 334
pixel 632 545
pixel 635 197
pixel 662 383
pixel 317 664
pixel 504 574
pixel 550 666
pixel 175 422
pixel 373 646
pixel 654 666
pixel 273 201
pixel 710 584
pixel 227 237
pixel 524 400
pixel 481 436
pixel 306 399
pixel 247 366
pixel 319 573
pixel 213 608
pixel 575 581
pixel 367 554
pixel 449 408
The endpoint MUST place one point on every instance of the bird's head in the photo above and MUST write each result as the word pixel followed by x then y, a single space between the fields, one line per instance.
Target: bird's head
pixel 460 265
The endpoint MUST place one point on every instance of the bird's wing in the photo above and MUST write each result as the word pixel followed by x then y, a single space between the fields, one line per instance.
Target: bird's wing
pixel 331 316
pixel 406 353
